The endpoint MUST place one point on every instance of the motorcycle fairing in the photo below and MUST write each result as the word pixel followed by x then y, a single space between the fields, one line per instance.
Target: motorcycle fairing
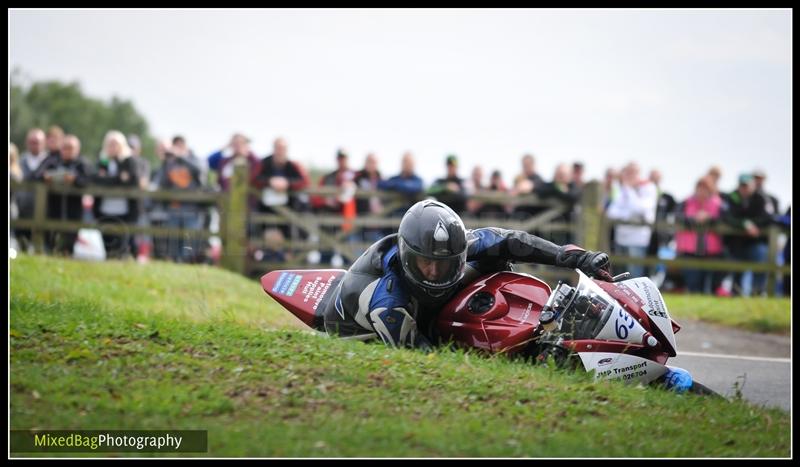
pixel 301 291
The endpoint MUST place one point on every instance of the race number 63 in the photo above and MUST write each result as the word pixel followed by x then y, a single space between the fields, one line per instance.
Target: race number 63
pixel 623 327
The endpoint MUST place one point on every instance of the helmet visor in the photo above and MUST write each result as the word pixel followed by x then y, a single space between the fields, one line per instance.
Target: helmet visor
pixel 432 271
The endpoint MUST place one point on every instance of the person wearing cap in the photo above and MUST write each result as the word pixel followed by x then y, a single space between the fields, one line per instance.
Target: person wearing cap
pixel 342 203
pixel 577 176
pixel 450 189
pixel 343 177
pixel 759 177
pixel 746 210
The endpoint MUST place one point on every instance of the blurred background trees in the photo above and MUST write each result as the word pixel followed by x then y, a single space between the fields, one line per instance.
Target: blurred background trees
pixel 45 103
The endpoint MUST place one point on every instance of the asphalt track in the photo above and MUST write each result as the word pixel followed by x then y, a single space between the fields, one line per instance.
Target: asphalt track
pixel 722 358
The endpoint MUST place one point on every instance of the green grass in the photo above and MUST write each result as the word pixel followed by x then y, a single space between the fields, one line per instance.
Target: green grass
pixel 759 314
pixel 124 346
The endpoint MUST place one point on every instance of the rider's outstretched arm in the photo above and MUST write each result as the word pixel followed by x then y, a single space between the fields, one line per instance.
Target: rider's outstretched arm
pixel 519 246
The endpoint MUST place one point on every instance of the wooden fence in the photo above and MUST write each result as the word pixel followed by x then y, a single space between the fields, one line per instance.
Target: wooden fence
pixel 315 231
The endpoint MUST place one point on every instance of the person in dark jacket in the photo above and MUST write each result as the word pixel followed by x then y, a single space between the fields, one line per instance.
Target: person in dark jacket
pixel 666 212
pixel 406 183
pixel 451 189
pixel 343 178
pixel 746 209
pixel 279 180
pixel 525 183
pixel 180 173
pixel 29 162
pixel 65 167
pixel 786 221
pixel 54 140
pixel 116 168
pixel 561 189
pixel 368 179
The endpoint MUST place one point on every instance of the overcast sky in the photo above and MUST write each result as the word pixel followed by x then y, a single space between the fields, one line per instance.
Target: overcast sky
pixel 677 90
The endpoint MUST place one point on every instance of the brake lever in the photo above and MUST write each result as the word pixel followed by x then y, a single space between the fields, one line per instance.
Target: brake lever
pixel 621 277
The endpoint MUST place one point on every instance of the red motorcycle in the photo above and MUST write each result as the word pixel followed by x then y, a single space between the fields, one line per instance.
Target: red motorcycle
pixel 620 330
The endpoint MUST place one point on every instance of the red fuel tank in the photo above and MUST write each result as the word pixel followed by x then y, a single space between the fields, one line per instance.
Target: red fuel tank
pixel 497 312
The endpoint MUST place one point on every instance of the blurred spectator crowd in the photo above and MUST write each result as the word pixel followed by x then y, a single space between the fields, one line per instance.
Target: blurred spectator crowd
pixel 634 202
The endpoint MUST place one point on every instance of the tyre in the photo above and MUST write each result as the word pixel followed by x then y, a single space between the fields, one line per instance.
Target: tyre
pixel 702 390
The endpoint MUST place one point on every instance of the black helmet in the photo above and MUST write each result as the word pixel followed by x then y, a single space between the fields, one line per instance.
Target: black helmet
pixel 432 242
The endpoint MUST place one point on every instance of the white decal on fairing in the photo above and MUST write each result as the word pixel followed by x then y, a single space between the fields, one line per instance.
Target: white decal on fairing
pixel 654 305
pixel 622 326
pixel 621 367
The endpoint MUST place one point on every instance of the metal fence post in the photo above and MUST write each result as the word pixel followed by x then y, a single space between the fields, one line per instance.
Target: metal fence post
pixel 233 219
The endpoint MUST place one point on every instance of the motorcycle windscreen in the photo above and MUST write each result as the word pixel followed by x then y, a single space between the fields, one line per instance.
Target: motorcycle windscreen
pixel 302 291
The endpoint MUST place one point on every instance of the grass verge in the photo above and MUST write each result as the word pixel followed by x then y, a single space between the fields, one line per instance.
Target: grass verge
pixel 123 346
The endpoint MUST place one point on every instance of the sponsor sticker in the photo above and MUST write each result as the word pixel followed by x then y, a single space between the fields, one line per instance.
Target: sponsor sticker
pixel 314 291
pixel 287 284
pixel 628 292
pixel 279 282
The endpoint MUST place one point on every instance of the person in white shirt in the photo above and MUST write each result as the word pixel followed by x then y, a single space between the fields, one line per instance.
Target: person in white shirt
pixel 30 161
pixel 35 154
pixel 636 202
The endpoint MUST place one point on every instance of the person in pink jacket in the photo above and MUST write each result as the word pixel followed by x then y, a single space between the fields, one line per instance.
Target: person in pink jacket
pixel 699 211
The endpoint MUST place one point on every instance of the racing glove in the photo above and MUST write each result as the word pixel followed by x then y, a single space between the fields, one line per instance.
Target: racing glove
pixel 592 263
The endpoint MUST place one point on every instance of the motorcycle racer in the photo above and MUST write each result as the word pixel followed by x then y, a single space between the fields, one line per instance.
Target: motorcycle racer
pixel 395 288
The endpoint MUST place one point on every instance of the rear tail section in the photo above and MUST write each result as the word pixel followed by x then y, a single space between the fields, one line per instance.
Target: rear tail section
pixel 304 292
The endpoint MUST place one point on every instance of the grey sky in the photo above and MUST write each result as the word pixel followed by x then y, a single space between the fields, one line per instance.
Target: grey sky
pixel 677 90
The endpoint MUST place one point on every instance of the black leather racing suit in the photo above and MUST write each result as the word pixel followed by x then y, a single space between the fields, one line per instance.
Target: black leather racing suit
pixel 374 300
